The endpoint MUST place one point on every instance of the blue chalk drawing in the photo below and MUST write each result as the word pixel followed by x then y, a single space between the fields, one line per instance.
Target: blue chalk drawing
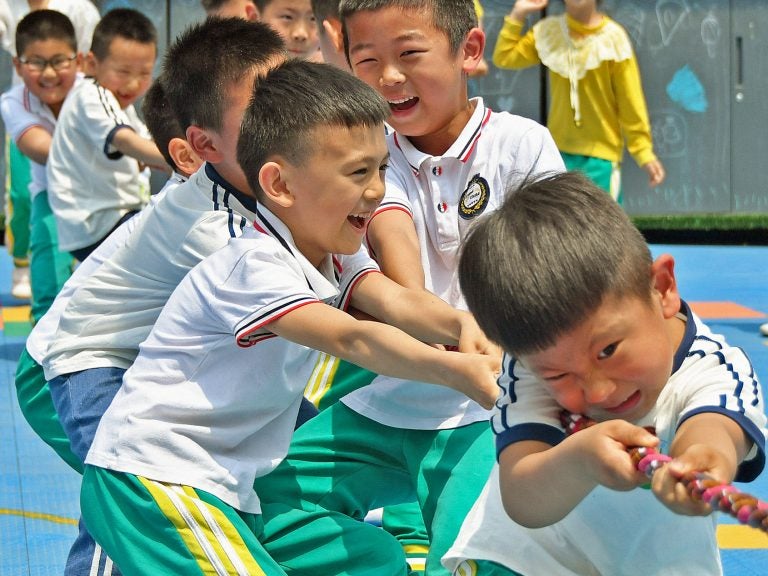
pixel 686 89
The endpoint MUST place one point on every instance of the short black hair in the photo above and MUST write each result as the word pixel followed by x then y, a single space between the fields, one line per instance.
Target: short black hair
pixel 547 258
pixel 455 18
pixel 160 120
pixel 293 99
pixel 209 56
pixel 41 25
pixel 324 9
pixel 123 23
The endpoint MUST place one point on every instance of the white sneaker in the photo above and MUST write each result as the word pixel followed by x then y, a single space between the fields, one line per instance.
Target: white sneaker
pixel 21 288
pixel 764 329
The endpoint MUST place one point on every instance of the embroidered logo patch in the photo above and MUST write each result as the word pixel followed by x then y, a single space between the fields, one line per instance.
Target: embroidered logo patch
pixel 475 198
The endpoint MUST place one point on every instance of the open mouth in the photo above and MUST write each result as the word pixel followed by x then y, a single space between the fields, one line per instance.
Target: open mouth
pixel 358 222
pixel 403 105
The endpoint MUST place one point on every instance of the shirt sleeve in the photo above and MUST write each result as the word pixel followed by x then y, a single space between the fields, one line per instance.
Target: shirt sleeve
pixel 632 110
pixel 512 50
pixel 524 410
pixel 16 117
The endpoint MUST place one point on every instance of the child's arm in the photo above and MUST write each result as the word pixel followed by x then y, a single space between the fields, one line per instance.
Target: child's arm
pixel 711 443
pixel 394 243
pixel 540 484
pixel 387 350
pixel 127 141
pixel 523 8
pixel 35 144
pixel 421 314
pixel 512 49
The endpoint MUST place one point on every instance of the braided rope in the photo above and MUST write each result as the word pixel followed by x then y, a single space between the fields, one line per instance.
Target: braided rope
pixel 747 509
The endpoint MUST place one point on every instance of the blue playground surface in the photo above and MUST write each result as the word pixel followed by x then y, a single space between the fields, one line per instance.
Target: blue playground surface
pixel 39 494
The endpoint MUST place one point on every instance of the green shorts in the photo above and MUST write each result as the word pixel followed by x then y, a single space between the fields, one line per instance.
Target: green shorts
pixel 150 527
pixel 605 173
pixel 341 465
pixel 37 407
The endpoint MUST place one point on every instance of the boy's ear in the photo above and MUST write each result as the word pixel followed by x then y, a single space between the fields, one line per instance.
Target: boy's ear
pixel 17 65
pixel 665 285
pixel 332 28
pixel 185 158
pixel 252 12
pixel 474 46
pixel 79 61
pixel 202 144
pixel 274 184
pixel 89 64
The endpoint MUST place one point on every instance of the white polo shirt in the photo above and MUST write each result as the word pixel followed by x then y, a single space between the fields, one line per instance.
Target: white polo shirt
pixel 212 399
pixel 44 331
pixel 91 185
pixel 21 111
pixel 445 196
pixel 115 308
pixel 611 532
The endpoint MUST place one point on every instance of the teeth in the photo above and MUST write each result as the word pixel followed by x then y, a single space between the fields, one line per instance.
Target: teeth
pixel 399 101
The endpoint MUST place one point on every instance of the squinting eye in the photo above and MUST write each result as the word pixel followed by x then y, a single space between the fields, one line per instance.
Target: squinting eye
pixel 608 351
pixel 383 167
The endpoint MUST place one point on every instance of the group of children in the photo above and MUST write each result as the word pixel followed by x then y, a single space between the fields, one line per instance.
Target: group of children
pixel 303 247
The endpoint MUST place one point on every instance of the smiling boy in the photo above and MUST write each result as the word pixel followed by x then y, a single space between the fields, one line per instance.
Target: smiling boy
pixel 257 309
pixel 451 161
pixel 47 61
pixel 100 149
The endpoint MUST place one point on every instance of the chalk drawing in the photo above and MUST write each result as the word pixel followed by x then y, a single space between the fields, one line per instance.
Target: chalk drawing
pixel 686 89
pixel 670 14
pixel 710 33
pixel 670 134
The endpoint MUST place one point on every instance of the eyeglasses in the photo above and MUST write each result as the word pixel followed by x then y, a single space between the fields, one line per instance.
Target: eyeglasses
pixel 58 63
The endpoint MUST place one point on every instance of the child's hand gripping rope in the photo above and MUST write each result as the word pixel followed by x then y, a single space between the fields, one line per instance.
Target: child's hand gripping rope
pixel 719 496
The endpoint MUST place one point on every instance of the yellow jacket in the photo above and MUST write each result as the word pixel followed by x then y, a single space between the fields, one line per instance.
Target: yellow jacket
pixel 597 98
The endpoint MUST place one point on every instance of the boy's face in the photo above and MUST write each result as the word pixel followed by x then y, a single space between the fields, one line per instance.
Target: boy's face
pixel 399 53
pixel 334 192
pixel 295 22
pixel 616 363
pixel 48 69
pixel 126 71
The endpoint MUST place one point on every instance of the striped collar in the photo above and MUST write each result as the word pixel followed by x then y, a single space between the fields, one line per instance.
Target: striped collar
pixel 688 337
pixel 461 149
pixel 322 282
pixel 248 201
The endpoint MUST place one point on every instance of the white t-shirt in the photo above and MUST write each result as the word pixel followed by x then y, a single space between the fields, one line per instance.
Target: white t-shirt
pixel 212 399
pixel 445 196
pixel 22 110
pixel 90 184
pixel 114 310
pixel 612 532
pixel 44 330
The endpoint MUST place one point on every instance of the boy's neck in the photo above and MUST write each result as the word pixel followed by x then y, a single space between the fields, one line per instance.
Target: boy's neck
pixel 37 4
pixel 437 143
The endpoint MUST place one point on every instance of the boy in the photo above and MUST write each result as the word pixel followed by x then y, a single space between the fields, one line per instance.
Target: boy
pixel 47 61
pixel 257 308
pixel 231 9
pixel 31 387
pixel 561 278
pixel 451 159
pixel 294 21
pixel 111 313
pixel 96 165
